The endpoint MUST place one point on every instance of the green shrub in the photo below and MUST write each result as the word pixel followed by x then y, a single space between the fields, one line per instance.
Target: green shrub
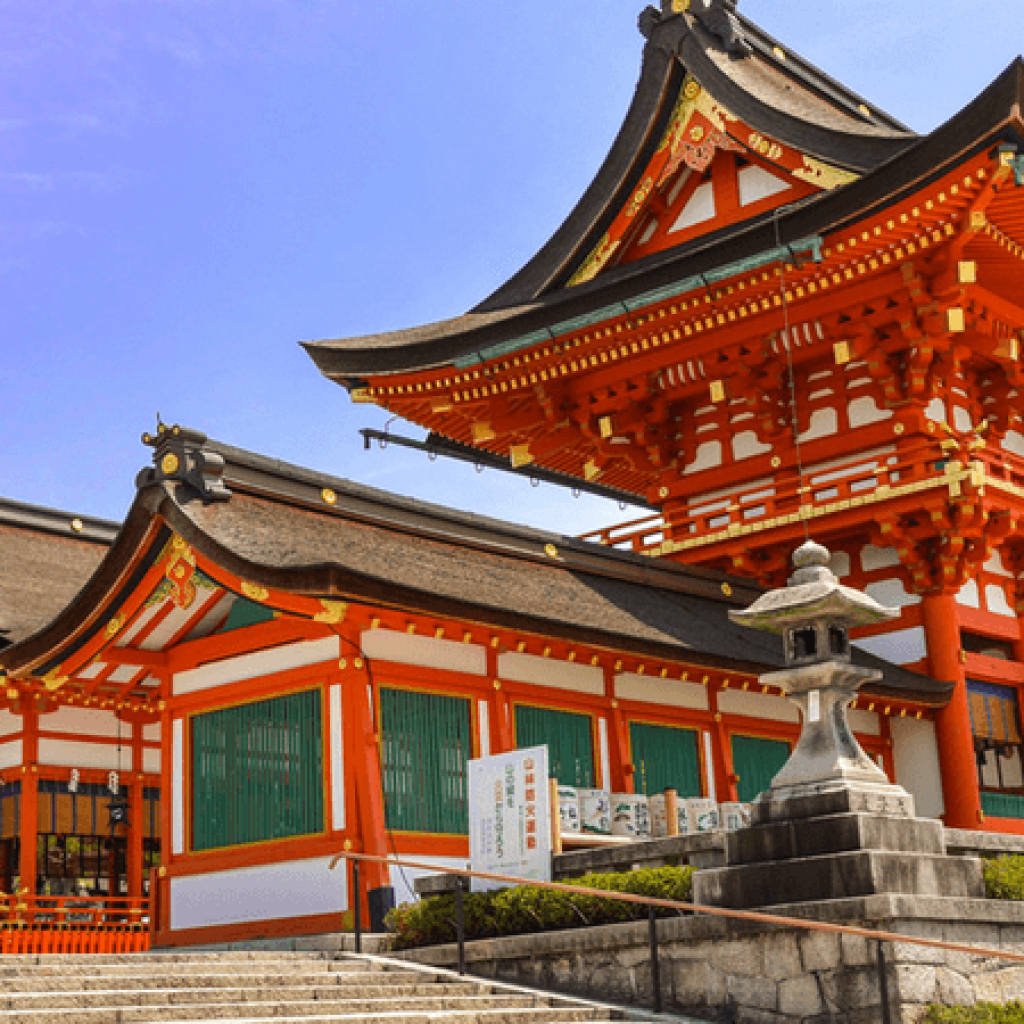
pixel 529 908
pixel 1004 878
pixel 983 1013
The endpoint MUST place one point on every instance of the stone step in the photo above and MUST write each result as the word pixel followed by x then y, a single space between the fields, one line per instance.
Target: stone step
pixel 77 997
pixel 10 965
pixel 199 979
pixel 519 1015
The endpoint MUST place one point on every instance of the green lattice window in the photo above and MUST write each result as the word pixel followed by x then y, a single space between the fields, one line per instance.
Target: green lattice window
pixel 569 738
pixel 664 758
pixel 757 761
pixel 257 772
pixel 426 740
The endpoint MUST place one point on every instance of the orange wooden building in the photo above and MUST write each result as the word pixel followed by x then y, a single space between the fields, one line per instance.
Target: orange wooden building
pixel 777 310
pixel 313 662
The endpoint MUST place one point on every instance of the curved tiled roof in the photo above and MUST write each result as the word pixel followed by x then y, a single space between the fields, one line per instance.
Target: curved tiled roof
pixel 375 548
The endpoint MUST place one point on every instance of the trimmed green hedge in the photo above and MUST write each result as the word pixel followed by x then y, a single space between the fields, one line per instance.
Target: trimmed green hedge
pixel 1004 878
pixel 528 908
pixel 983 1013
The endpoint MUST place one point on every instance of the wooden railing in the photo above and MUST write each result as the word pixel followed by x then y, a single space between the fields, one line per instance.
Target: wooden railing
pixel 868 477
pixel 73 924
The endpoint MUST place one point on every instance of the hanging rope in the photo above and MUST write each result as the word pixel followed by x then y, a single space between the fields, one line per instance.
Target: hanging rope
pixel 788 346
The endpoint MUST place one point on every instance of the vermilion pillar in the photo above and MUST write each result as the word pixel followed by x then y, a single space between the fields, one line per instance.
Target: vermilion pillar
pixel 941 621
pixel 28 864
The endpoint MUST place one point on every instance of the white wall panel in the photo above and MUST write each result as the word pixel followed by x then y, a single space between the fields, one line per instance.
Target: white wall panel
pixel 78 754
pixel 178 786
pixel 424 651
pixel 337 741
pixel 252 666
pixel 866 723
pixel 757 705
pixel 916 753
pixel 151 760
pixel 269 892
pixel 653 690
pixel 566 675
pixel 9 723
pixel 10 754
pixel 83 722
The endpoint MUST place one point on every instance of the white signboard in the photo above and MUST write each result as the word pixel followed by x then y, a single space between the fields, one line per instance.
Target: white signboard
pixel 510 817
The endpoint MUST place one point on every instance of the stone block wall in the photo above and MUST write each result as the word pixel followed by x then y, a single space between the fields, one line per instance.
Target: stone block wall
pixel 744 973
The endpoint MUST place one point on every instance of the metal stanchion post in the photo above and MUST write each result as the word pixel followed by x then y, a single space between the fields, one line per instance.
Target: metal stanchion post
pixel 460 926
pixel 883 985
pixel 655 966
pixel 357 908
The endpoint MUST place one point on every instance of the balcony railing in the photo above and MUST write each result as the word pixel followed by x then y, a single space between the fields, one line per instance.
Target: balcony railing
pixel 73 924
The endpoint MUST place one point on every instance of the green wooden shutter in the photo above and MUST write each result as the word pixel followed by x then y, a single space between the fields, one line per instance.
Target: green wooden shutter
pixel 257 772
pixel 757 761
pixel 569 740
pixel 426 740
pixel 664 758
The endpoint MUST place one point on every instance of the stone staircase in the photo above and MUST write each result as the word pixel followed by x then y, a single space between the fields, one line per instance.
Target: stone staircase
pixel 257 986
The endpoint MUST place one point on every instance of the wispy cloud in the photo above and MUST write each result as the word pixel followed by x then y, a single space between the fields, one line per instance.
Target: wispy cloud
pixel 47 182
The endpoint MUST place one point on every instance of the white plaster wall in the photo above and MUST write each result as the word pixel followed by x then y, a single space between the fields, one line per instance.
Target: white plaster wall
pixel 865 722
pixel 83 722
pixel 402 879
pixel 252 666
pixel 268 892
pixel 823 424
pixel 756 183
pixel 178 786
pixel 863 411
pixel 424 651
pixel 700 208
pixel 872 559
pixel 151 733
pixel 72 754
pixel 10 754
pixel 891 593
pixel 484 719
pixel 995 599
pixel 936 410
pixel 902 646
pixel 995 564
pixel 962 419
pixel 709 455
pixel 709 764
pixel 604 752
pixel 653 690
pixel 565 675
pixel 1013 442
pixel 9 723
pixel 968 595
pixel 746 445
pixel 337 742
pixel 916 753
pixel 757 705
pixel 151 761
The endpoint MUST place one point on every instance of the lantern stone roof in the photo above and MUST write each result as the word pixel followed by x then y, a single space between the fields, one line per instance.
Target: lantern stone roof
pixel 813 593
pixel 46 556
pixel 295 531
pixel 769 89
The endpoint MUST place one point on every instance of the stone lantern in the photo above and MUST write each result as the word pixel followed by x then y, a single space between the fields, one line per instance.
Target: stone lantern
pixel 831 826
pixel 814 614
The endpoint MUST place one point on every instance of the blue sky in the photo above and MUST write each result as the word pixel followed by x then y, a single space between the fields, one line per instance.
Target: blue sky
pixel 190 187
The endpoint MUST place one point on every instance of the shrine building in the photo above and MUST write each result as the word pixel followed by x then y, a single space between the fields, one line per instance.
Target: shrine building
pixel 777 311
pixel 280 665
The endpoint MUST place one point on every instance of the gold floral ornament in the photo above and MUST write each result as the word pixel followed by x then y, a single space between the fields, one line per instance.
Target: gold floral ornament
pixel 53 680
pixel 333 612
pixel 329 497
pixel 115 625
pixel 255 592
pixel 169 464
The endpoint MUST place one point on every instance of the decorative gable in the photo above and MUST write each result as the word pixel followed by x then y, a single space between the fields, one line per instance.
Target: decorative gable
pixel 710 171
